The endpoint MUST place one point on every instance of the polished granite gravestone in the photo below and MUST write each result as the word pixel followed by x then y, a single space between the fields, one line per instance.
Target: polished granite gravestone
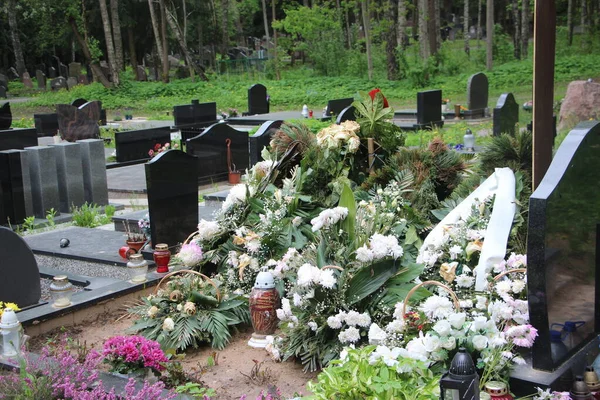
pixel 335 107
pixel 261 139
pixel 79 102
pixel 41 79
pixel 5 117
pixel 78 123
pixel 142 76
pixel 210 147
pixel 563 245
pixel 18 139
pixel 20 283
pixel 429 109
pixel 506 115
pixel 74 70
pixel 52 73
pixel 347 114
pixel 477 96
pixel 46 124
pixel 258 102
pixel 172 188
pixel 27 82
pixel 135 145
pixel 69 170
pixel 15 186
pixel 93 161
pixel 193 117
pixel 58 83
pixel 44 180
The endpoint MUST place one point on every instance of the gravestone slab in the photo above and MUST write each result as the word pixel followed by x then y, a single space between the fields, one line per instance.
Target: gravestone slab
pixel 334 107
pixel 506 115
pixel 63 70
pixel 78 123
pixel 153 74
pixel 195 114
pixel 2 92
pixel 74 70
pixel 258 101
pixel 13 74
pixel 563 246
pixel 261 139
pixel 15 188
pixel 58 84
pixel 27 82
pixel 347 114
pixel 69 170
pixel 83 79
pixel 141 74
pixel 20 283
pixel 41 79
pixel 41 67
pixel 44 182
pixel 477 96
pixel 429 109
pixel 134 145
pixel 46 124
pixel 18 139
pixel 172 185
pixel 4 81
pixel 5 117
pixel 52 73
pixel 210 148
pixel 94 171
pixel 71 82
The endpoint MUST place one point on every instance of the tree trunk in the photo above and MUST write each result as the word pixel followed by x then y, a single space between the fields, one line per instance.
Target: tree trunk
pixel 165 44
pixel 224 27
pixel 185 19
pixel 489 26
pixel 466 24
pixel 116 28
pixel 525 16
pixel 433 45
pixel 517 27
pixel 424 49
pixel 583 18
pixel 96 70
pixel 110 49
pixel 348 31
pixel 479 18
pixel 186 53
pixel 275 49
pixel 266 21
pixel 132 53
pixel 437 25
pixel 570 7
pixel 367 30
pixel 416 20
pixel 156 30
pixel 14 34
pixel 392 41
pixel 401 34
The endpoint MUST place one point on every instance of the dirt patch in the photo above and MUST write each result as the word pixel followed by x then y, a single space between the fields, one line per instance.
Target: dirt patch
pixel 231 377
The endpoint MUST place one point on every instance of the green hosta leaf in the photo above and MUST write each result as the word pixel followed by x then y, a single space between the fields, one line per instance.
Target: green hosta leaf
pixel 347 200
pixel 369 279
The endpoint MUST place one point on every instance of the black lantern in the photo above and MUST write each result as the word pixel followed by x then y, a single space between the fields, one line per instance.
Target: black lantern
pixel 461 382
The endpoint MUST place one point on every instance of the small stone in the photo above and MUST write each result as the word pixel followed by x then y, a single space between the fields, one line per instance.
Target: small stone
pixel 64 242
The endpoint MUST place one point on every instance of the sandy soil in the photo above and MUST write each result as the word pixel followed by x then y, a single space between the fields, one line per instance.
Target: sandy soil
pixel 229 377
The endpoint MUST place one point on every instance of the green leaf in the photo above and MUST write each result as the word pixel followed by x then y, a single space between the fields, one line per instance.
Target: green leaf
pixel 411 235
pixel 321 254
pixel 369 279
pixel 347 200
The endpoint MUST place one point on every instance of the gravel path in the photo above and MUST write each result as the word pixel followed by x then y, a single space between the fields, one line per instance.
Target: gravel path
pixel 84 268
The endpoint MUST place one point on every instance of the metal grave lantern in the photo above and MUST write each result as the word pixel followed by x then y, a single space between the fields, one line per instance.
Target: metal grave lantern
pixel 461 382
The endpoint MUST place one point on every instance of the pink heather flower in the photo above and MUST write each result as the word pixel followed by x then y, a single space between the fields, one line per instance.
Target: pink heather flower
pixel 522 335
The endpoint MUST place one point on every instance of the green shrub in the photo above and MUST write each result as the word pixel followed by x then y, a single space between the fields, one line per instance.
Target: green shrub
pixel 89 216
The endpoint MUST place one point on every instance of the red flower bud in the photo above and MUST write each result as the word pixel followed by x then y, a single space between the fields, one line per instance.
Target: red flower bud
pixel 372 94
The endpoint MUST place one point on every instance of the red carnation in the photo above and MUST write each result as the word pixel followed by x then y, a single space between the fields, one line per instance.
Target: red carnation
pixel 372 94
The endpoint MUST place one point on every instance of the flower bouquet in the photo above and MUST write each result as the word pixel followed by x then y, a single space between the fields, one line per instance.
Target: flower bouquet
pixel 132 354
pixel 188 310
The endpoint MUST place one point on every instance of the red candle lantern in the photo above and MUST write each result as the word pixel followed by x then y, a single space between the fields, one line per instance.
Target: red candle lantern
pixel 264 301
pixel 498 390
pixel 162 256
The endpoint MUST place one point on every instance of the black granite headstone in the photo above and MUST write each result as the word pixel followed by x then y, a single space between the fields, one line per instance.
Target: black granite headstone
pixel 5 117
pixel 195 114
pixel 13 190
pixel 261 139
pixel 172 187
pixel 46 124
pixel 58 83
pixel 506 115
pixel 211 149
pixel 78 102
pixel 429 109
pixel 20 283
pixel 335 107
pixel 135 145
pixel 347 114
pixel 4 81
pixel 18 138
pixel 63 70
pixel 563 247
pixel 258 102
pixel 52 73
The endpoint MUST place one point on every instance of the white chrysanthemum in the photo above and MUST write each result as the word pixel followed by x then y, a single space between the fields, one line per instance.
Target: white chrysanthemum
pixel 363 320
pixel 503 287
pixel 437 307
pixel 465 281
pixel 327 279
pixel 351 318
pixel 312 325
pixel 481 302
pixel 349 335
pixel 363 254
pixel 376 334
pixel 328 218
pixel 207 230
pixel 455 251
pixel 297 221
pixel 518 286
pixel 307 275
pixel 334 322
pixel 236 195
pixel 233 259
pixel 297 299
pixel 168 324
pixel 480 342
pixel 396 326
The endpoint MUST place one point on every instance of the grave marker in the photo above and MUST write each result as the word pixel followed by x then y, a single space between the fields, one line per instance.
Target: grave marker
pixel 195 114
pixel 429 109
pixel 58 83
pixel 258 102
pixel 69 170
pixel 27 82
pixel 347 114
pixel 95 185
pixel 41 79
pixel 261 139
pixel 15 186
pixel 13 74
pixel 134 145
pixel 141 74
pixel 172 185
pixel 83 80
pixel 506 115
pixel 44 182
pixel 78 123
pixel 5 117
pixel 335 107
pixel 52 73
pixel 74 70
pixel 3 92
pixel 18 139
pixel 63 70
pixel 4 81
pixel 477 96
pixel 46 124
pixel 20 281
pixel 71 82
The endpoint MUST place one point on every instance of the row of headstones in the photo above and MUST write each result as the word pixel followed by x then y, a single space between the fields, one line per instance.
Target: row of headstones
pixel 40 178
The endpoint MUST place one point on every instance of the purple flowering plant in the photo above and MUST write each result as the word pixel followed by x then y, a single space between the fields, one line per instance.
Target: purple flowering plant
pixel 127 354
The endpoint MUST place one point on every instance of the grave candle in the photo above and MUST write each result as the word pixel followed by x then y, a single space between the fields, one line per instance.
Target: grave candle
pixel 137 268
pixel 162 256
pixel 10 328
pixel 61 290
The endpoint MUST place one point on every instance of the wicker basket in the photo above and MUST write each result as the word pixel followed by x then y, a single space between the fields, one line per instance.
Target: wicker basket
pixel 188 271
pixel 505 273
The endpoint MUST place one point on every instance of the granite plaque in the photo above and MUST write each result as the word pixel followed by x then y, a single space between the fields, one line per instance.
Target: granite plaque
pixel 506 115
pixel 78 123
pixel 334 107
pixel 258 101
pixel 95 183
pixel 58 83
pixel 16 190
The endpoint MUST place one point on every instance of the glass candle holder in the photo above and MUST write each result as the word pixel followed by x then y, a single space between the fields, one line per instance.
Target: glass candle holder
pixel 162 256
pixel 137 268
pixel 61 291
